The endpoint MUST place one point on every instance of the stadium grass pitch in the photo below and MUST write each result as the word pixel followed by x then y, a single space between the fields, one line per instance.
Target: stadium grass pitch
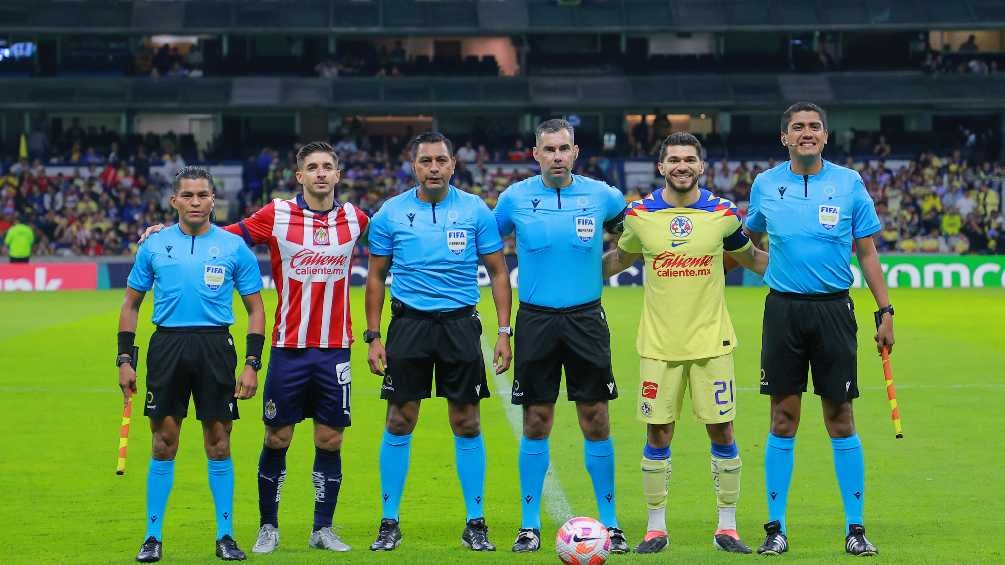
pixel 933 497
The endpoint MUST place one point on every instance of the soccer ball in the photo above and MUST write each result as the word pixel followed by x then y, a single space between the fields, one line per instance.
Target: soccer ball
pixel 583 541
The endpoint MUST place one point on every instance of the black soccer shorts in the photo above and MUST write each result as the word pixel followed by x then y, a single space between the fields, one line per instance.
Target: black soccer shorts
pixel 197 362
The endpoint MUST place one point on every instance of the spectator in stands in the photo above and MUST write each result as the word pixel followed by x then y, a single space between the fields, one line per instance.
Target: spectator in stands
pixel 976 234
pixel 882 148
pixel 466 154
pixel 518 153
pixel 18 241
pixel 970 45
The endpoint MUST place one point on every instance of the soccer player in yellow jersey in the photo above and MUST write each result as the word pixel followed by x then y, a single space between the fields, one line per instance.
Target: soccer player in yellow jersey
pixel 686 338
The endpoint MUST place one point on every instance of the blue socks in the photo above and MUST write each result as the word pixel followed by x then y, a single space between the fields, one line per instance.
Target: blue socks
pixel 849 466
pixel 160 477
pixel 221 484
pixel 778 462
pixel 271 474
pixel 599 457
pixel 469 453
pixel 327 478
pixel 394 455
pixel 533 462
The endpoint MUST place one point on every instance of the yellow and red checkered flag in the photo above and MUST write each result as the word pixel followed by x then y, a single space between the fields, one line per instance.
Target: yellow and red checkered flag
pixel 127 415
pixel 891 395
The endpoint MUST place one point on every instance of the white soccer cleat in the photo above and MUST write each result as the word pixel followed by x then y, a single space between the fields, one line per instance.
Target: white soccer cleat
pixel 268 539
pixel 325 538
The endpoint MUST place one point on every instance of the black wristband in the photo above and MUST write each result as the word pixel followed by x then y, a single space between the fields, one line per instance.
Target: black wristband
pixel 126 340
pixel 254 345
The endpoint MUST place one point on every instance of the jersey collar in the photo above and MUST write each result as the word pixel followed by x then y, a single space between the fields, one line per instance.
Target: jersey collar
pixel 302 204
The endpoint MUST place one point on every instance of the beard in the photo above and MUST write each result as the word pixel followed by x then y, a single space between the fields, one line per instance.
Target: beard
pixel 678 189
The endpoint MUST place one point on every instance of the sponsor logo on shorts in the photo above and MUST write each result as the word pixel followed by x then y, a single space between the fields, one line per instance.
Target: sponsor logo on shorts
pixel 586 227
pixel 610 387
pixel 516 389
pixel 388 383
pixel 478 389
pixel 724 412
pixel 343 372
pixel 646 408
pixel 213 276
pixel 151 405
pixel 829 216
pixel 650 389
pixel 764 378
pixel 270 409
pixel 457 241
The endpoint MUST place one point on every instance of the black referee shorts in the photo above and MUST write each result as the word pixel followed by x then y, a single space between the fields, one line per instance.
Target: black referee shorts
pixel 810 332
pixel 197 362
pixel 449 343
pixel 548 339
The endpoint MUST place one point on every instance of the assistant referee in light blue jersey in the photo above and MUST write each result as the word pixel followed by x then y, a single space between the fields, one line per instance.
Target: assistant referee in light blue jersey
pixel 813 211
pixel 193 268
pixel 431 237
pixel 559 219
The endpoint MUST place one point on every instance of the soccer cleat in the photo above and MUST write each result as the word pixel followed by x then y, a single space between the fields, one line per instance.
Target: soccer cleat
pixel 654 542
pixel 268 539
pixel 775 543
pixel 476 536
pixel 388 536
pixel 527 540
pixel 150 551
pixel 325 538
pixel 227 550
pixel 857 544
pixel 618 542
pixel 729 541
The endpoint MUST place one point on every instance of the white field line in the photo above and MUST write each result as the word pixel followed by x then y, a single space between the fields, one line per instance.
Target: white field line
pixel 555 503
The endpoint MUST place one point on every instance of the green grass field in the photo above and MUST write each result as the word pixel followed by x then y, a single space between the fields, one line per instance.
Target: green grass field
pixel 933 497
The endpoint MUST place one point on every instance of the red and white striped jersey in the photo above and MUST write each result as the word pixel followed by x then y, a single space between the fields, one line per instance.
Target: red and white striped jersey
pixel 311 256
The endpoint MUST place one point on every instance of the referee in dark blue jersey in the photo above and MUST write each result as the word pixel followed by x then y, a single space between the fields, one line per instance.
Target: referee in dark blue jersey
pixel 193 268
pixel 813 211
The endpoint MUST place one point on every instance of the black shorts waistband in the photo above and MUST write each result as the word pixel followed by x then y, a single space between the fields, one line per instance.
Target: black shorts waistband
pixel 565 310
pixel 399 308
pixel 823 297
pixel 194 329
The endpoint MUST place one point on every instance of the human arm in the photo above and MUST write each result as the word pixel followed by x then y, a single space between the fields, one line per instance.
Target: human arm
pixel 617 260
pixel 247 382
pixel 128 315
pixel 374 305
pixel 868 260
pixel 751 258
pixel 502 295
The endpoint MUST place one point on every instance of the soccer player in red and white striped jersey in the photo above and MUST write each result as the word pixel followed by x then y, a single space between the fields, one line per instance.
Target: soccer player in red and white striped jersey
pixel 311 239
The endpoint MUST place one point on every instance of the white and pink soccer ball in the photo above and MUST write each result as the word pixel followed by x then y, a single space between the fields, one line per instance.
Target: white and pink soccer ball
pixel 583 541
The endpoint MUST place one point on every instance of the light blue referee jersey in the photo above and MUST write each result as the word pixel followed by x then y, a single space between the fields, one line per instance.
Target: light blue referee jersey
pixel 811 221
pixel 559 237
pixel 194 277
pixel 434 248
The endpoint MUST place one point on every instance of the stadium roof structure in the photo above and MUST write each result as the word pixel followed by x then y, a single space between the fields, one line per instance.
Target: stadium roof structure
pixel 379 94
pixel 472 17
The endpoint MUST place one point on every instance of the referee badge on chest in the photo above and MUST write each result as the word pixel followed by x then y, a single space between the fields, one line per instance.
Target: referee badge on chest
pixel 586 226
pixel 829 216
pixel 457 241
pixel 213 276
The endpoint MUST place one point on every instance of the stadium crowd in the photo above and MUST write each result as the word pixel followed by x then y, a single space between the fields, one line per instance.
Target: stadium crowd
pixel 931 204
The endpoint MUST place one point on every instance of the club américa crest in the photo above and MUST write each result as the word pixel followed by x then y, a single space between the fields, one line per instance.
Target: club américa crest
pixel 681 226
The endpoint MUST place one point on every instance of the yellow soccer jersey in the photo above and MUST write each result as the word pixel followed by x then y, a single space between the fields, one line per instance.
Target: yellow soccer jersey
pixel 684 314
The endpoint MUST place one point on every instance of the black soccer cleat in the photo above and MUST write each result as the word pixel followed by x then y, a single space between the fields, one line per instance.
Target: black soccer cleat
pixel 775 543
pixel 729 541
pixel 227 550
pixel 476 536
pixel 388 536
pixel 619 544
pixel 857 544
pixel 527 540
pixel 150 551
pixel 654 542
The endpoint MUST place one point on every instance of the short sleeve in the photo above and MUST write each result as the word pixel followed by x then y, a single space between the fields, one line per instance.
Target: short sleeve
pixel 504 213
pixel 629 240
pixel 487 230
pixel 247 276
pixel 733 239
pixel 864 220
pixel 257 228
pixel 379 234
pixel 615 203
pixel 141 276
pixel 755 220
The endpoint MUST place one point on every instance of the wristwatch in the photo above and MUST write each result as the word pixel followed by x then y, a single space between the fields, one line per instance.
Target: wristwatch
pixel 505 330
pixel 123 358
pixel 370 335
pixel 886 309
pixel 254 362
